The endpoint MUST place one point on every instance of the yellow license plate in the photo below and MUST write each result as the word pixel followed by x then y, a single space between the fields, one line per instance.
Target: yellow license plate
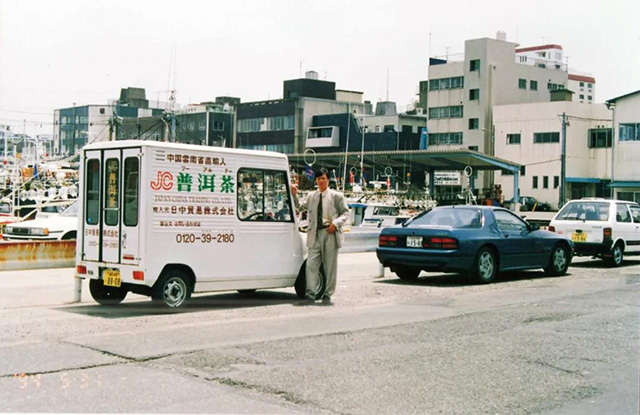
pixel 579 237
pixel 112 278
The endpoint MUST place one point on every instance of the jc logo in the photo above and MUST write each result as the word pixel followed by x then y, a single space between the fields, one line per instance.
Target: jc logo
pixel 163 181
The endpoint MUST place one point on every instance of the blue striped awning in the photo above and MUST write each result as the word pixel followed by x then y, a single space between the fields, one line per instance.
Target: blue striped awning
pixel 582 180
pixel 624 184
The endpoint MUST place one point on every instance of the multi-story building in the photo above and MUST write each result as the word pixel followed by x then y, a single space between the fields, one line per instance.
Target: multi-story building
pixel 531 134
pixel 282 124
pixel 625 169
pixel 584 87
pixel 79 125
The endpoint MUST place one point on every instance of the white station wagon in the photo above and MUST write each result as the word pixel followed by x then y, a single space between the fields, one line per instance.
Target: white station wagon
pixel 601 228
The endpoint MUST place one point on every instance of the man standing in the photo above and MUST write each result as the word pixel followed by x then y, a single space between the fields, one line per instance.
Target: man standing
pixel 327 213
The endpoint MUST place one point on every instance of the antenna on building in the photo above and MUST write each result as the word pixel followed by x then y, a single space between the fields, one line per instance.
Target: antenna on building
pixel 300 68
pixel 446 49
pixel 387 84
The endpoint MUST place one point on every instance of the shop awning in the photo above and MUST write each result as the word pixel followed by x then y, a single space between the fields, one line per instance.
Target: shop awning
pixel 624 184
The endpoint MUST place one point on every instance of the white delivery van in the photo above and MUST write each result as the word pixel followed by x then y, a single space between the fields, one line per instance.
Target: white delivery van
pixel 165 220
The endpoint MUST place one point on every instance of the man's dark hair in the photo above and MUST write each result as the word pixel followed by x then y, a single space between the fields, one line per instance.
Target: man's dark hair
pixel 320 171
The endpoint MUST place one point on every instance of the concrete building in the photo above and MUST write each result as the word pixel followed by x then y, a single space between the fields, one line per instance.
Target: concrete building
pixel 626 146
pixel 282 124
pixel 77 126
pixel 531 134
pixel 584 87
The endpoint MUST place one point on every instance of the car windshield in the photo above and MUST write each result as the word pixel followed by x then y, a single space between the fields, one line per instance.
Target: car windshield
pixel 594 211
pixel 454 217
pixel 71 210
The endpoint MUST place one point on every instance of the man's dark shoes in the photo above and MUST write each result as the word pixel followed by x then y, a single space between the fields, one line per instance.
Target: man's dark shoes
pixel 305 301
pixel 326 301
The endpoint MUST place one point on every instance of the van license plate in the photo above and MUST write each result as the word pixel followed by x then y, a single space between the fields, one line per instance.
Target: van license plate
pixel 414 241
pixel 579 237
pixel 112 278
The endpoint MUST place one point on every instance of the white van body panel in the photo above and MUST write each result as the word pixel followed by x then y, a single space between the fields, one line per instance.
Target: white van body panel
pixel 188 216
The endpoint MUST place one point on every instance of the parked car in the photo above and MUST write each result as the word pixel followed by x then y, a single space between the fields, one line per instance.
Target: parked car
pixel 531 204
pixel 59 227
pixel 601 228
pixel 478 241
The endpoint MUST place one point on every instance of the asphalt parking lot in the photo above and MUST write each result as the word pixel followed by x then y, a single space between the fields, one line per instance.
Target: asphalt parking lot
pixel 525 344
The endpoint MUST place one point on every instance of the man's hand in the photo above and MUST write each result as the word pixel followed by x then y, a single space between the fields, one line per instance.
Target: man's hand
pixel 331 229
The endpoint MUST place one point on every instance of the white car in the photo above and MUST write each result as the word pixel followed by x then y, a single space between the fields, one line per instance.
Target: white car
pixel 601 228
pixel 59 227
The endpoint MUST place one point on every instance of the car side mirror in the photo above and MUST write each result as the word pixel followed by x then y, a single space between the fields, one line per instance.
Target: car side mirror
pixel 534 227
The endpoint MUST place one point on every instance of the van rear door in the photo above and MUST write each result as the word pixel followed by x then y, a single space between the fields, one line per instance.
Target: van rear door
pixel 130 241
pixel 92 206
pixel 111 206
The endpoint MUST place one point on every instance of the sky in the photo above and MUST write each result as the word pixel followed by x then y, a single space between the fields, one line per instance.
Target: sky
pixel 57 53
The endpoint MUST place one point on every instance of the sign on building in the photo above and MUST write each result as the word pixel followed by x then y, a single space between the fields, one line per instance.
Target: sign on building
pixel 447 178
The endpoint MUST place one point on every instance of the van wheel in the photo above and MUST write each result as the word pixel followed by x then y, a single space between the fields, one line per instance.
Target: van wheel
pixel 106 295
pixel 301 282
pixel 247 292
pixel 485 266
pixel 408 273
pixel 172 289
pixel 559 261
pixel 617 254
pixel 69 236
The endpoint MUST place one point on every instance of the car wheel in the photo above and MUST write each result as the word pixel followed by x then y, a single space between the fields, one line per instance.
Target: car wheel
pixel 247 292
pixel 485 267
pixel 408 273
pixel 106 295
pixel 617 254
pixel 559 261
pixel 172 290
pixel 301 282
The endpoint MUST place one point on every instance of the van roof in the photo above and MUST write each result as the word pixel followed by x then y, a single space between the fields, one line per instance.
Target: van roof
pixel 179 146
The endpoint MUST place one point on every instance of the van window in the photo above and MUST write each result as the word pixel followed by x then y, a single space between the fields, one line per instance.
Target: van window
pixel 622 213
pixel 111 192
pixel 593 211
pixel 92 190
pixel 263 195
pixel 131 172
pixel 635 213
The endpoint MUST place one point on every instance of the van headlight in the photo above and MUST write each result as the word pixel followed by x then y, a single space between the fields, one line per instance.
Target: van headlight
pixel 39 231
pixel 8 229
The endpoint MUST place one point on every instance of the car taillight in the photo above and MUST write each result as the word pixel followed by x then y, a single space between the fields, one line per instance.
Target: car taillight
pixel 440 243
pixel 606 233
pixel 551 228
pixel 386 240
pixel 81 270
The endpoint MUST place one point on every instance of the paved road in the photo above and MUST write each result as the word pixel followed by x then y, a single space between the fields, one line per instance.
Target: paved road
pixel 526 344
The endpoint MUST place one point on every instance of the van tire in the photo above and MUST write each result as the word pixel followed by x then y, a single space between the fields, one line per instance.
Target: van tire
pixel 617 255
pixel 247 292
pixel 559 261
pixel 106 295
pixel 301 282
pixel 172 289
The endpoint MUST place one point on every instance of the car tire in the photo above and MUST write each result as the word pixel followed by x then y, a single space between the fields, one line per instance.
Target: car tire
pixel 172 290
pixel 301 282
pixel 408 273
pixel 558 262
pixel 106 295
pixel 617 255
pixel 485 266
pixel 247 292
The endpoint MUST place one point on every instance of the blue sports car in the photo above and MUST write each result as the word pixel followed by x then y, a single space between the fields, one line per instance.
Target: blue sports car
pixel 477 241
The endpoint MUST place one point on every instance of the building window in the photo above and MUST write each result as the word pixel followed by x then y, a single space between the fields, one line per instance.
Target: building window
pixel 513 138
pixel 445 138
pixel 474 94
pixel 629 132
pixel 456 82
pixel 251 125
pixel 590 85
pixel 535 182
pixel 445 112
pixel 553 87
pixel 589 97
pixel 101 110
pixel 546 138
pixel 600 137
pixel 474 123
pixel 556 182
pixel 474 65
pixel 581 84
pixel 523 170
pixel 581 96
pixel 218 126
pixel 545 182
pixel 533 85
pixel 522 83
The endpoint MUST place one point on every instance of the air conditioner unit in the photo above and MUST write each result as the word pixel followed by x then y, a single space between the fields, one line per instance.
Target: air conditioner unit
pixel 419 111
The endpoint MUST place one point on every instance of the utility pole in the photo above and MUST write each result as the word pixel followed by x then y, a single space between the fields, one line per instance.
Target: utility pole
pixel 563 160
